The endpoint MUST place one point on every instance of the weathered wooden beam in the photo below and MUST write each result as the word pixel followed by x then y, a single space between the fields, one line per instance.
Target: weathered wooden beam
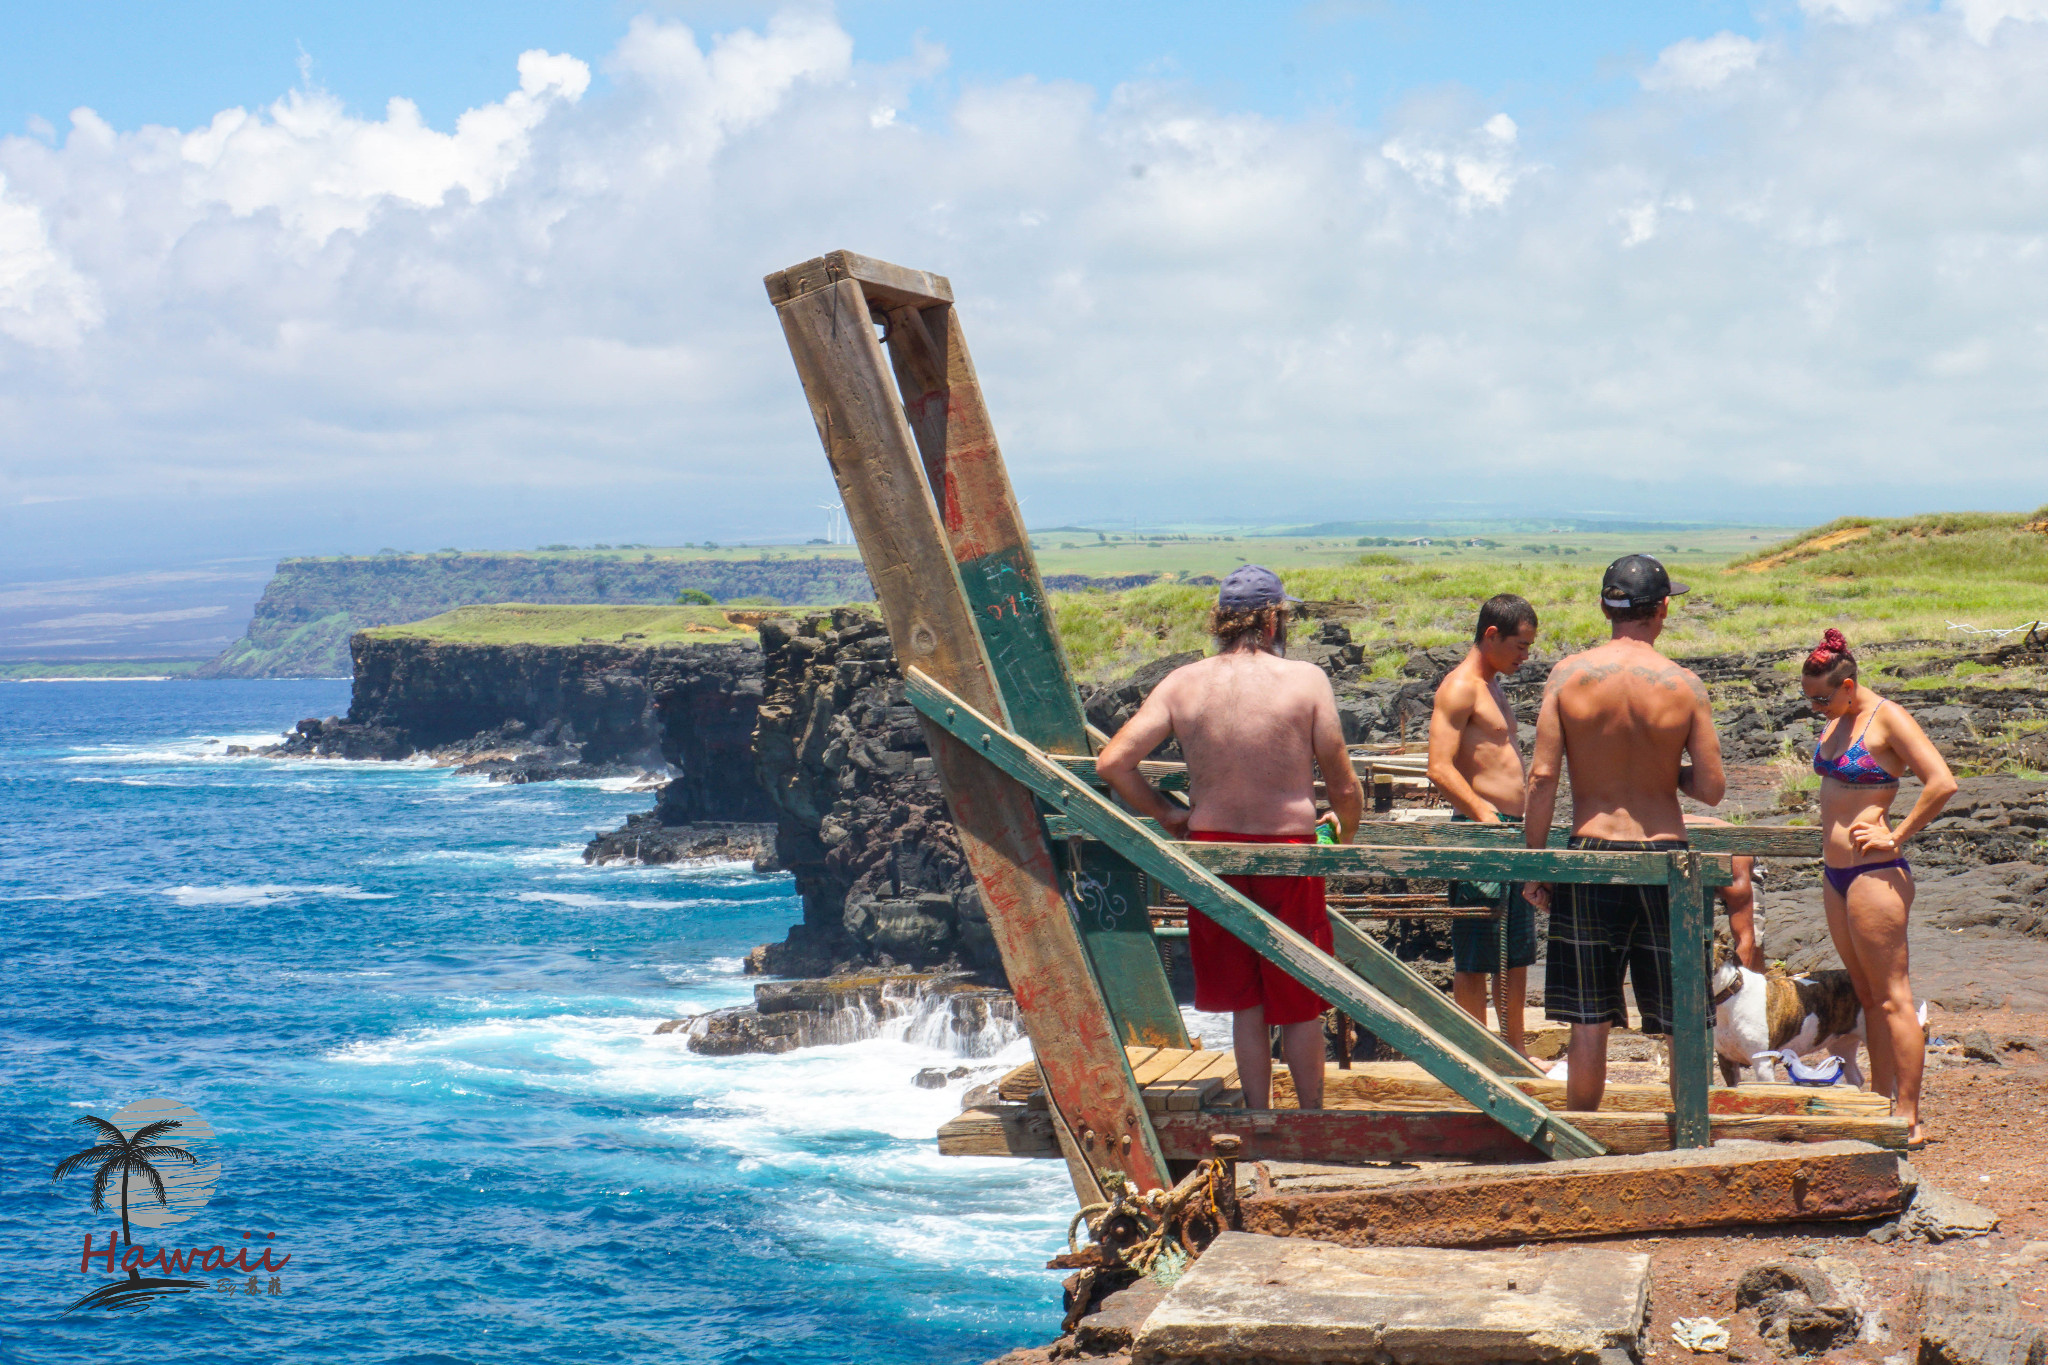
pixel 963 465
pixel 1606 1196
pixel 1474 864
pixel 1399 982
pixel 883 285
pixel 1761 841
pixel 1264 934
pixel 1345 1136
pixel 903 544
pixel 1404 1085
pixel 1359 859
pixel 1692 1011
pixel 1339 1136
pixel 1384 1085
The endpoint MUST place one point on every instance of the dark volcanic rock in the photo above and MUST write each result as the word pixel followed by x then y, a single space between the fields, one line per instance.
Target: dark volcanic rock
pixel 948 1010
pixel 532 713
pixel 863 827
pixel 645 839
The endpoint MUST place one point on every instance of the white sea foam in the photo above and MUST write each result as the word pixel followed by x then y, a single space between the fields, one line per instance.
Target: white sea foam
pixel 192 749
pixel 267 893
pixel 585 901
pixel 844 1125
pixel 1212 1029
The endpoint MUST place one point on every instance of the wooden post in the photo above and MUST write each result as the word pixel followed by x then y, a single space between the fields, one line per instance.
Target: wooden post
pixel 1692 1016
pixel 826 319
pixel 943 402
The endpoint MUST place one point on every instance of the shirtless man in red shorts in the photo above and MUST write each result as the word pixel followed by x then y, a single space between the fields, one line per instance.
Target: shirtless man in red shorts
pixel 1254 727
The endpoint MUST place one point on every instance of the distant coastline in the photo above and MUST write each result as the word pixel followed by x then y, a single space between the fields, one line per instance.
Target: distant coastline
pixel 99 670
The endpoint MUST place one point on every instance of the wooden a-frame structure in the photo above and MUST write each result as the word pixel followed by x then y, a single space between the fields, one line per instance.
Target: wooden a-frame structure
pixel 1060 866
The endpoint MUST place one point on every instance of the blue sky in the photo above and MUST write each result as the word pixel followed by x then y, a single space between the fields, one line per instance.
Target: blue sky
pixel 1687 261
pixel 137 63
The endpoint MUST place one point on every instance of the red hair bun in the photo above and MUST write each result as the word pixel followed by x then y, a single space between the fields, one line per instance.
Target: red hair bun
pixel 1833 647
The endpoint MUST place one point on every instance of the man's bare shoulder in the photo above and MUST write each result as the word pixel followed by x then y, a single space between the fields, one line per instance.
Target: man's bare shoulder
pixel 1667 675
pixel 1302 673
pixel 1187 675
pixel 1587 666
pixel 1459 688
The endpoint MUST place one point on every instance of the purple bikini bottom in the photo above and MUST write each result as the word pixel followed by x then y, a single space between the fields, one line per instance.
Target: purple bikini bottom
pixel 1841 878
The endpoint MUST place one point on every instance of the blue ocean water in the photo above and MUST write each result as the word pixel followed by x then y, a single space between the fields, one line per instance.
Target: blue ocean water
pixel 423 1031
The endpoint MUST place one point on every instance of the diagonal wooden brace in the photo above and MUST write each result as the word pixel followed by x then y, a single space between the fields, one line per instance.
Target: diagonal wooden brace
pixel 1472 1080
pixel 1399 983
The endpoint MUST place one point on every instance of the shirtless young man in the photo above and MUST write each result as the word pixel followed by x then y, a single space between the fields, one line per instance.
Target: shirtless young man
pixel 1623 716
pixel 1475 762
pixel 1254 728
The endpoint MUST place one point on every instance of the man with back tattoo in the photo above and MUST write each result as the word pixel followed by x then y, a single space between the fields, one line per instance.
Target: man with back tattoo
pixel 1624 718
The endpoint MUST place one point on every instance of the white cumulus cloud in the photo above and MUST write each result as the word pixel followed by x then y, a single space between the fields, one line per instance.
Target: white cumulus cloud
pixel 1782 262
pixel 1702 63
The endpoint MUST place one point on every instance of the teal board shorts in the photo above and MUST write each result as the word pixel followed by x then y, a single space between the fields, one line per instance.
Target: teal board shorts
pixel 1476 943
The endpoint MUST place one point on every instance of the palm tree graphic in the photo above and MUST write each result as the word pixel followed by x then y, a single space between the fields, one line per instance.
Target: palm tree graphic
pixel 124 1156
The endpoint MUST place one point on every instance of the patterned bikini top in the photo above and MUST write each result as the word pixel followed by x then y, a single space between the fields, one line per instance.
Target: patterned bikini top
pixel 1856 765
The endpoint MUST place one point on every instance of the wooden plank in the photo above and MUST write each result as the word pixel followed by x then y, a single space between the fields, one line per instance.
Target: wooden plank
pixel 1161 1061
pixel 1404 1085
pixel 1338 1136
pixel 1265 935
pixel 1399 982
pixel 1761 841
pixel 999 1130
pixel 1602 1196
pixel 1372 860
pixel 1183 1086
pixel 883 284
pixel 889 505
pixel 963 466
pixel 948 415
pixel 1380 1085
pixel 1692 1023
pixel 1504 864
pixel 1186 1068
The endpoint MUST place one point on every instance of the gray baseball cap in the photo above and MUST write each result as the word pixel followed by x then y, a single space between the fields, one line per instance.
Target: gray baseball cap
pixel 1249 587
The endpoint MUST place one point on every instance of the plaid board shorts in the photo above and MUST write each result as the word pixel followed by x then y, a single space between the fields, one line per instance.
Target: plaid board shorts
pixel 1475 943
pixel 1598 933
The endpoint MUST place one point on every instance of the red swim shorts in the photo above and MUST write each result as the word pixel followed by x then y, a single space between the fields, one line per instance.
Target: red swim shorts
pixel 1231 977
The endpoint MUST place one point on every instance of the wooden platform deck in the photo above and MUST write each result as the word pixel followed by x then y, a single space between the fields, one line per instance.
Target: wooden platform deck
pixel 1632 1117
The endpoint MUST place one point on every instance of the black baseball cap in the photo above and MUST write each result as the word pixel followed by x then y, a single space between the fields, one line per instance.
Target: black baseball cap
pixel 1636 581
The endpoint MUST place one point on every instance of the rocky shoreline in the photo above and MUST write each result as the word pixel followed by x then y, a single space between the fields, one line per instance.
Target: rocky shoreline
pixel 799 753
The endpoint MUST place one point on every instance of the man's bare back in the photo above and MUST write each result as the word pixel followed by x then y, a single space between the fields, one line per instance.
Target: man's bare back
pixel 1624 717
pixel 1250 725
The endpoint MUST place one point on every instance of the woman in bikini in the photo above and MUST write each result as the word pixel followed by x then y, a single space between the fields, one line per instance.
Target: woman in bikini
pixel 1867 745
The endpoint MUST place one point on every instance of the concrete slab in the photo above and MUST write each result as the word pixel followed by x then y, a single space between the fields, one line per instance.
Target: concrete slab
pixel 1118 1317
pixel 1285 1299
pixel 1722 1186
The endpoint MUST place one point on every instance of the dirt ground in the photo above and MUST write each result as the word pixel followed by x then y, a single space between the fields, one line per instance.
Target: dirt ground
pixel 1987 1140
pixel 1987 1143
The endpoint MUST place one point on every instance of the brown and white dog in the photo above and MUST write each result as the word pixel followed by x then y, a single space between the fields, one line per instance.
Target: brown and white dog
pixel 1758 1015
